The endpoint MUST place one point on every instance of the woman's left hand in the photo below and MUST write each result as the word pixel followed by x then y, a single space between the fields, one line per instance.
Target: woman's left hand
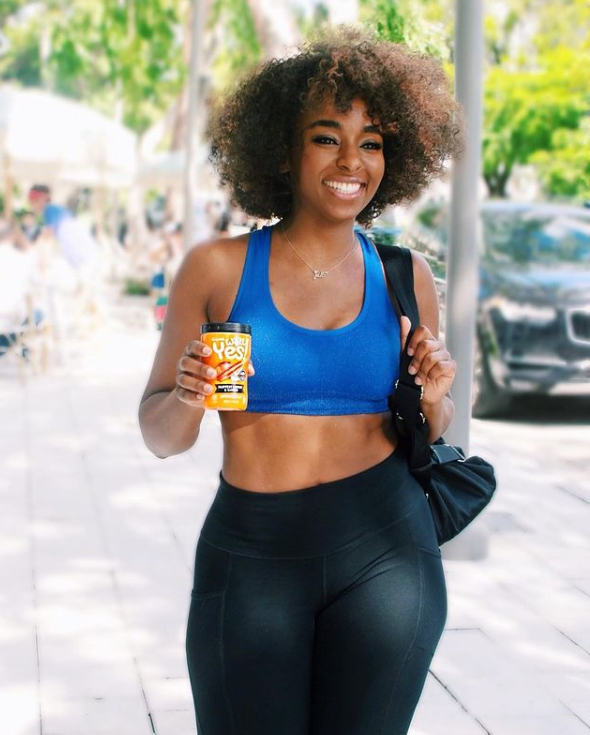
pixel 431 363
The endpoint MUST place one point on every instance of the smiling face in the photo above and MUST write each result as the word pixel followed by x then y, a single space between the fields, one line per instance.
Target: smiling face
pixel 337 164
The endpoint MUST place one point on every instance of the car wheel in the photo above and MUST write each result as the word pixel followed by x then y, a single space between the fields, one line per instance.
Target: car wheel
pixel 487 398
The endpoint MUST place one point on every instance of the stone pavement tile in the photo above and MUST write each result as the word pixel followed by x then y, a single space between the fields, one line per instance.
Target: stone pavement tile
pixel 169 694
pixel 159 622
pixel 466 584
pixel 93 647
pixel 61 541
pixel 67 616
pixel 573 689
pixel 61 495
pixel 174 721
pixel 583 584
pixel 547 725
pixel 438 713
pixel 20 709
pixel 509 621
pixel 582 711
pixel 18 665
pixel 163 657
pixel 487 680
pixel 64 715
pixel 15 551
pixel 565 607
pixel 448 726
pixel 71 673
pixel 533 639
pixel 81 587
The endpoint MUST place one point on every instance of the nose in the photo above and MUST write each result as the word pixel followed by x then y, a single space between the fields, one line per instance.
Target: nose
pixel 349 157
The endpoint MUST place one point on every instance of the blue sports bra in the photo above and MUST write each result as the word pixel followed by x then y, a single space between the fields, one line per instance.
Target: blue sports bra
pixel 348 370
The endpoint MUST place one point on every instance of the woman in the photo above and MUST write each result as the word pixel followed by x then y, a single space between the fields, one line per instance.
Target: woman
pixel 319 594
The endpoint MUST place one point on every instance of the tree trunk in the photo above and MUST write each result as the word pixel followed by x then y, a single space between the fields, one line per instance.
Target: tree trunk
pixel 275 26
pixel 496 183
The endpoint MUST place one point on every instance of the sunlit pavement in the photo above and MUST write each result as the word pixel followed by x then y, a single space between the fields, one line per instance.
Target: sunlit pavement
pixel 96 552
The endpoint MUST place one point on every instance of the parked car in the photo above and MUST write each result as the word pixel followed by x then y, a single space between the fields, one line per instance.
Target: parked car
pixel 533 318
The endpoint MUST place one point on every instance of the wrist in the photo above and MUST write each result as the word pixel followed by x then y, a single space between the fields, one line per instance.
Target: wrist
pixel 425 403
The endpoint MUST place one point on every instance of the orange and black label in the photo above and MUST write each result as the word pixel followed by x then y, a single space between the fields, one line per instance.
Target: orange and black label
pixel 230 355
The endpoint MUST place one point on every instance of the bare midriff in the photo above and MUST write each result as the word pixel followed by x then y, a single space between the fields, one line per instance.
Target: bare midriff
pixel 278 452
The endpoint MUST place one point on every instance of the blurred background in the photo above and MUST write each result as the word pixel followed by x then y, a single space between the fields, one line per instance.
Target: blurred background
pixel 105 183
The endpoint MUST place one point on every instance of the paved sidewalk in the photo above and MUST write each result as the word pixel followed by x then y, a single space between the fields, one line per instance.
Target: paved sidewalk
pixel 96 551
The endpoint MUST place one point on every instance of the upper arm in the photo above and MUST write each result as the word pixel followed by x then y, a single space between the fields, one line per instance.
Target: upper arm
pixel 426 294
pixel 185 312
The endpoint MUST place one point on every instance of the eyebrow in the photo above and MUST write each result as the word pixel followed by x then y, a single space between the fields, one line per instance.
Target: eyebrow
pixel 337 126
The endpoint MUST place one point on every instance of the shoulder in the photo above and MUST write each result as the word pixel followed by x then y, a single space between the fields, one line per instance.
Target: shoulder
pixel 422 272
pixel 212 261
pixel 217 252
pixel 208 271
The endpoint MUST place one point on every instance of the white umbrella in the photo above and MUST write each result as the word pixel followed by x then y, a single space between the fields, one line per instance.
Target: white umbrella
pixel 48 138
pixel 167 169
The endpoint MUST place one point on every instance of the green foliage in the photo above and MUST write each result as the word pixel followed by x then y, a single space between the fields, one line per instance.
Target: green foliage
pixel 127 55
pixel 242 48
pixel 536 93
pixel 567 174
pixel 136 287
pixel 420 25
pixel 532 116
pixel 320 18
pixel 22 62
pixel 106 53
pixel 8 8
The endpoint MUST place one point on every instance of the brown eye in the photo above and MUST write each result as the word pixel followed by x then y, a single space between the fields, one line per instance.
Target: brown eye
pixel 324 140
pixel 373 145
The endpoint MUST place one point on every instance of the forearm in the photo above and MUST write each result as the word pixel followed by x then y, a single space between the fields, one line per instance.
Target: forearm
pixel 438 416
pixel 168 425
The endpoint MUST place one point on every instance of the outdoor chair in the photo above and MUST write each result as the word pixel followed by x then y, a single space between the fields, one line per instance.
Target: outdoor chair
pixel 26 339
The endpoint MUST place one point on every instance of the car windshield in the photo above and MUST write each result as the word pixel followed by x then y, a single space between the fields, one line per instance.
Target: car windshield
pixel 526 237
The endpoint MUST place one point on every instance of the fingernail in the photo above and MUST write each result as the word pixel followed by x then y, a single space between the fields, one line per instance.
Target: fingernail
pixel 206 350
pixel 412 369
pixel 410 351
pixel 418 381
pixel 211 373
pixel 208 388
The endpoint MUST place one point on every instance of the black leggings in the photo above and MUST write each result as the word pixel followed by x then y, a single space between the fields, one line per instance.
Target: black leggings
pixel 315 611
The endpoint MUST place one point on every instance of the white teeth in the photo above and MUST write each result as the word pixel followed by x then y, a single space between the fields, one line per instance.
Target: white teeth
pixel 344 188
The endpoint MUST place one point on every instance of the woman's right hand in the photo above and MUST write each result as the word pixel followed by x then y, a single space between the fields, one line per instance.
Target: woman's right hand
pixel 193 376
pixel 192 373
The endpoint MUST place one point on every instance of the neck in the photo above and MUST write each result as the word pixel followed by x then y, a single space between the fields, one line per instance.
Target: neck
pixel 321 241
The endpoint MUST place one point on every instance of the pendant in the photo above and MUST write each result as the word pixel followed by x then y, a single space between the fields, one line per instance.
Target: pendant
pixel 319 274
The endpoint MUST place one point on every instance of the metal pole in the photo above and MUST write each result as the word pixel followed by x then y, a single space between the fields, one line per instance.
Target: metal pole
pixel 194 89
pixel 463 251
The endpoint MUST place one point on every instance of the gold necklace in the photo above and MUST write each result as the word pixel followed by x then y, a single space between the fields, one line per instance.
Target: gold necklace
pixel 316 272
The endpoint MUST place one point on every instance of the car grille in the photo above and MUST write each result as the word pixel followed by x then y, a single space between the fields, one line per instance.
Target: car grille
pixel 578 323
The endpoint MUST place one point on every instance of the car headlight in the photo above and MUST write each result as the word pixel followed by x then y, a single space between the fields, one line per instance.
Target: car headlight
pixel 513 311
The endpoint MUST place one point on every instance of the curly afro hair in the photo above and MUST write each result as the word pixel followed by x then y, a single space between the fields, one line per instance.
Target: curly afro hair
pixel 253 130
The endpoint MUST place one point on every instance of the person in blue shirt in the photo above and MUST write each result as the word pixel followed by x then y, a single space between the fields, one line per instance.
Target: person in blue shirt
pixel 318 596
pixel 76 243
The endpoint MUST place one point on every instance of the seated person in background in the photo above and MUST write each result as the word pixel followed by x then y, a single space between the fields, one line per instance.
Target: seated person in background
pixel 16 286
pixel 29 226
pixel 76 242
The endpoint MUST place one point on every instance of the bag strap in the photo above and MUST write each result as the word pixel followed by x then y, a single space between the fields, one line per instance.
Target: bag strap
pixel 405 402
pixel 399 270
